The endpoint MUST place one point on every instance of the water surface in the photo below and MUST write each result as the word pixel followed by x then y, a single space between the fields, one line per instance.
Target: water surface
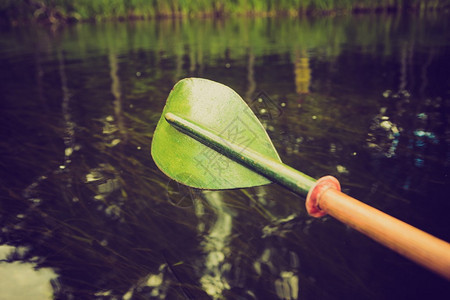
pixel 363 98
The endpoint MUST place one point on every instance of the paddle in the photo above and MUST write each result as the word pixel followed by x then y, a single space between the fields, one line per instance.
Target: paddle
pixel 209 138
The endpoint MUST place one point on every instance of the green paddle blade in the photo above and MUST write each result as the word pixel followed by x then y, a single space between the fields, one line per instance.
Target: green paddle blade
pixel 220 110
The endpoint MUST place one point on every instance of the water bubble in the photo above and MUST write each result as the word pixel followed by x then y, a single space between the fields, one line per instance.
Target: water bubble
pixel 257 267
pixel 103 293
pixel 405 93
pixel 265 256
pixel 154 280
pixel 115 142
pixel 332 148
pixel 419 162
pixel 128 295
pixel 420 133
pixel 314 117
pixel 386 125
pixel 387 93
pixel 422 116
pixel 138 74
pixel 93 176
pixel 341 169
pixel 68 151
pixel 227 65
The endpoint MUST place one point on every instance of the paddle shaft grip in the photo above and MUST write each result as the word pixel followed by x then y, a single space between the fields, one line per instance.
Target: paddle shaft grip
pixel 397 235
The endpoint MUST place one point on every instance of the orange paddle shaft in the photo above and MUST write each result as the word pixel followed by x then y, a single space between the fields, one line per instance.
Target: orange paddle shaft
pixel 397 235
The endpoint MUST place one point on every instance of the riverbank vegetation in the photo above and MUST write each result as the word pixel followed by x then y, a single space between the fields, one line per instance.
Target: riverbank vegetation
pixel 65 11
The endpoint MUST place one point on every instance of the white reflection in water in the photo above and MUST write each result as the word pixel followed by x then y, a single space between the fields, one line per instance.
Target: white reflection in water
pixel 287 286
pixel 216 246
pixel 106 181
pixel 383 136
pixel 151 286
pixel 22 281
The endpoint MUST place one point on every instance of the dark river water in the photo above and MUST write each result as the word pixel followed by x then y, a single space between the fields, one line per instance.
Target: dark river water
pixel 86 214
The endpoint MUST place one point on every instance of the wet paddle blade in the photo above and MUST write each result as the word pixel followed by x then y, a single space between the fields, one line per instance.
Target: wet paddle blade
pixel 221 110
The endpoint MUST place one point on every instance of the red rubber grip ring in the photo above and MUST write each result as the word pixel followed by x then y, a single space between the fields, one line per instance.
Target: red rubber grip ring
pixel 312 200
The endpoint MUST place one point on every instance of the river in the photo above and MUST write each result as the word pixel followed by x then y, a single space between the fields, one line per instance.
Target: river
pixel 86 214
